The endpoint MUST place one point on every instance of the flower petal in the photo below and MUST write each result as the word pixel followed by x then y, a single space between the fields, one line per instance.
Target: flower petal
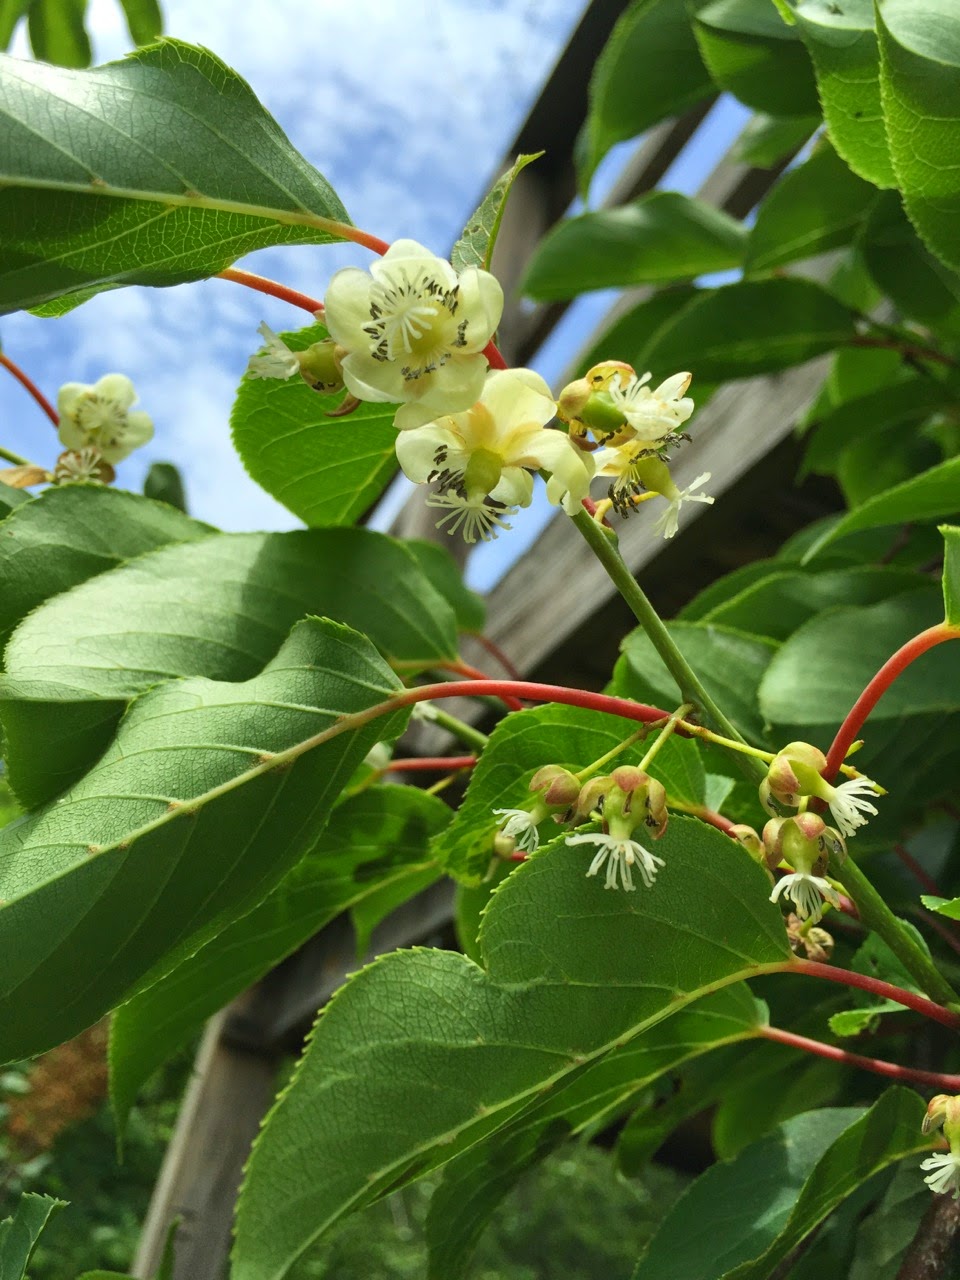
pixel 116 387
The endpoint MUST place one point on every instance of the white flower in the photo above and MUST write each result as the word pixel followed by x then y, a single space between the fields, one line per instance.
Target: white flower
pixel 519 824
pixel 947 1175
pixel 99 417
pixel 81 465
pixel 483 458
pixel 274 359
pixel 668 523
pixel 848 806
pixel 807 892
pixel 620 856
pixel 653 415
pixel 414 331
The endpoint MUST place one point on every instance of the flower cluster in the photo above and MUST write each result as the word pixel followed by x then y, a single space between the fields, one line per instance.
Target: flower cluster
pixel 414 332
pixel 625 802
pixel 944 1175
pixel 99 428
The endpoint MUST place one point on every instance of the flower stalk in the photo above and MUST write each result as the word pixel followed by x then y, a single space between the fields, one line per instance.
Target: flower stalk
pixel 31 387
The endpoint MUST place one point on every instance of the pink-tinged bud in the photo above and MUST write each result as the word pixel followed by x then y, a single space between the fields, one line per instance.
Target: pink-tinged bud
pixel 772 836
pixel 629 778
pixel 560 787
pixel 782 783
pixel 944 1109
pixel 794 773
pixel 592 796
pixel 572 399
pixel 745 835
pixel 804 841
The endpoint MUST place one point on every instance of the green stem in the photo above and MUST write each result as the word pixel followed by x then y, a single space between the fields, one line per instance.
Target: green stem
pixel 459 728
pixel 662 736
pixel 589 770
pixel 15 458
pixel 604 546
pixel 876 915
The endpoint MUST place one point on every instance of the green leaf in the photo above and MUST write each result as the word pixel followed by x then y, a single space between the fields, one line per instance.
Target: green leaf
pixel 209 794
pixel 443 574
pixel 820 205
pixel 817 675
pixel 660 237
pixel 841 41
pixel 11 11
pixel 888 1132
pixel 885 1235
pixel 629 337
pixel 920 73
pixel 10 498
pixel 144 20
pixel 905 404
pixel 57 32
pixel 474 1183
pixel 919 284
pixel 94 193
pixel 951 574
pixel 374 840
pixel 221 607
pixel 755 327
pixel 783 601
pixel 20 1233
pixel 729 663
pixel 649 69
pixel 475 247
pixel 752 53
pixel 328 471
pixel 930 496
pixel 572 973
pixel 521 744
pixel 71 533
pixel 767 140
pixel 738 1207
pixel 164 483
pixel 949 907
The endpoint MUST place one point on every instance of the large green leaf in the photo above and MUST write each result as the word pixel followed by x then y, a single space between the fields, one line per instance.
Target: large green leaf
pixel 161 168
pixel 629 337
pixel 209 794
pixel 745 329
pixel 19 1234
pixel 752 53
pixel 474 1183
pixel 650 68
pixel 475 247
pixel 918 284
pixel 219 607
pixel 444 575
pixel 572 972
pixel 524 742
pixel 820 205
pixel 374 840
pixel 817 674
pixel 932 495
pixel 328 471
pixel 841 41
pixel 905 404
pixel 660 237
pixel 71 533
pixel 920 71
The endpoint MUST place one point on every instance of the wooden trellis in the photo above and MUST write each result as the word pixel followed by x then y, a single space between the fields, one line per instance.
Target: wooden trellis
pixel 742 437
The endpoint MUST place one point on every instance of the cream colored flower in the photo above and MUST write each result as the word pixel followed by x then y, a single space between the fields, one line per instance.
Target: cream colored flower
pixel 274 359
pixel 99 417
pixel 414 331
pixel 653 415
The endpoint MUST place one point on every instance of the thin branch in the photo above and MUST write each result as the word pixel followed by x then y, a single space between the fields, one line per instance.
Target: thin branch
pixel 272 287
pixel 31 387
pixel 430 764
pixel 876 987
pixel 943 1083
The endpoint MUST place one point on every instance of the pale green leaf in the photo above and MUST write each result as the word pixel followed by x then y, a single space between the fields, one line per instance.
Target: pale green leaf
pixel 767 140
pixel 951 574
pixel 94 193
pixel 20 1233
pixel 475 247
pixel 752 53
pixel 144 19
pixel 57 32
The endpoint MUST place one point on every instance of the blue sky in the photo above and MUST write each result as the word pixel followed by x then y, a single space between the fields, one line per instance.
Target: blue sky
pixel 400 103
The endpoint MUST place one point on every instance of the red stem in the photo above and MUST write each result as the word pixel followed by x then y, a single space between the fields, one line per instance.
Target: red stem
pixel 931 1079
pixel 441 763
pixel 849 731
pixel 496 652
pixel 273 288
pixel 933 921
pixel 910 1000
pixel 913 866
pixel 715 819
pixel 32 388
pixel 494 358
pixel 461 668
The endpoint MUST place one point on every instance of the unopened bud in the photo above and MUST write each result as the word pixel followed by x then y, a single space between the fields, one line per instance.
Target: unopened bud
pixel 805 842
pixel 944 1109
pixel 560 787
pixel 794 772
pixel 587 406
pixel 320 365
pixel 746 836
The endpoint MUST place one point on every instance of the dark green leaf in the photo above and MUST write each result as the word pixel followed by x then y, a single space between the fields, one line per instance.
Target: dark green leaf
pixel 71 533
pixel 951 574
pixel 649 69
pixel 221 607
pixel 328 471
pixel 920 70
pixel 11 11
pixel 444 575
pixel 885 1235
pixel 10 498
pixel 374 840
pixel 769 139
pixel 475 247
pixel 164 483
pixel 752 53
pixel 918 284
pixel 93 193
pixel 572 972
pixel 905 404
pixel 524 742
pixel 57 32
pixel 820 205
pixel 209 794
pixel 660 237
pixel 841 41
pixel 629 337
pixel 19 1234
pixel 746 329
pixel 933 495
pixel 144 20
